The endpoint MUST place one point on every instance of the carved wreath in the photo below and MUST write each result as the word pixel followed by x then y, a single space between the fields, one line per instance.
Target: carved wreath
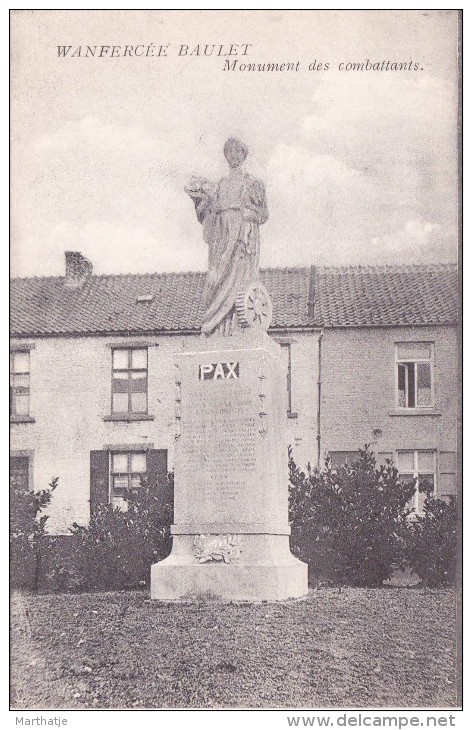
pixel 217 549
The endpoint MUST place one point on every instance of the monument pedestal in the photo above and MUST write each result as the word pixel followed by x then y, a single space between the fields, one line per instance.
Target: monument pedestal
pixel 231 533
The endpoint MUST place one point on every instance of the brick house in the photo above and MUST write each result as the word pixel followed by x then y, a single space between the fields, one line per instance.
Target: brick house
pixel 372 357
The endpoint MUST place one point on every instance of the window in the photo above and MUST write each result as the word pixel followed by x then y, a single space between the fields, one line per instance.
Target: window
pixel 126 471
pixel 341 458
pixel 117 466
pixel 419 465
pixel 414 374
pixel 129 380
pixel 19 383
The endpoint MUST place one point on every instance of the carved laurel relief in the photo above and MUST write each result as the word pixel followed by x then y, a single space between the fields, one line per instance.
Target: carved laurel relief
pixel 217 548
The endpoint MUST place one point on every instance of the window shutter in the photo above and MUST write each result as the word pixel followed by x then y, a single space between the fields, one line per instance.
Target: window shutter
pixel 19 471
pixel 99 479
pixel 447 484
pixel 157 475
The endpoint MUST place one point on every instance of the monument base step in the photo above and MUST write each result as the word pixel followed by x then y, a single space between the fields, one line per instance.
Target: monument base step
pixel 220 581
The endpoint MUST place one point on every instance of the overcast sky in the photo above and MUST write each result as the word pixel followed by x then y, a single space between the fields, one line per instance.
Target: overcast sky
pixel 360 166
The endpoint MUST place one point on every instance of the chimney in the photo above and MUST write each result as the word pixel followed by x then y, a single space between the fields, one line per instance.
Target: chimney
pixel 78 269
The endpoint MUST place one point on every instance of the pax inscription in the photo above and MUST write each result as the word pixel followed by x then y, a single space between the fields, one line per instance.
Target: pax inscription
pixel 219 371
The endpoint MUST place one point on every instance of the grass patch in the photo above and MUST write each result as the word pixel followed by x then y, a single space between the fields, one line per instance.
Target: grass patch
pixel 391 647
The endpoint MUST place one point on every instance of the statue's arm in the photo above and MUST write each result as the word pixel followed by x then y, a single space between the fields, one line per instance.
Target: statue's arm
pixel 201 191
pixel 256 208
pixel 203 207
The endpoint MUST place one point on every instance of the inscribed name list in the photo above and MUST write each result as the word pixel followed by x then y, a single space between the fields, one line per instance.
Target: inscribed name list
pixel 219 449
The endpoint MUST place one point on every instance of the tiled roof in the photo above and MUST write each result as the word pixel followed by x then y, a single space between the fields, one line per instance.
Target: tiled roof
pixel 371 296
pixel 109 303
pixel 302 297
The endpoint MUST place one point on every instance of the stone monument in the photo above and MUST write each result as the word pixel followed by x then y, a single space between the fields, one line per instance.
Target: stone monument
pixel 231 532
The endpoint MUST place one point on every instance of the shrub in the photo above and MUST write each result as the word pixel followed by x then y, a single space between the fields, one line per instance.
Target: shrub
pixel 28 540
pixel 431 542
pixel 348 523
pixel 116 549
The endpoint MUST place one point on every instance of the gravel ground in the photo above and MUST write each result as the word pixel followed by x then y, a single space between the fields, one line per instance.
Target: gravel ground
pixel 391 647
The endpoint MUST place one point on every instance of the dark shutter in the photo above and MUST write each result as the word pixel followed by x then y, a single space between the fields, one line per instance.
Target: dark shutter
pixel 99 479
pixel 447 485
pixel 19 467
pixel 22 508
pixel 157 476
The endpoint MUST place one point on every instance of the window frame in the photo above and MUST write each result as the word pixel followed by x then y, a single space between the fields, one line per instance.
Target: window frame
pixel 129 473
pixel 13 373
pixel 415 361
pixel 414 474
pixel 129 350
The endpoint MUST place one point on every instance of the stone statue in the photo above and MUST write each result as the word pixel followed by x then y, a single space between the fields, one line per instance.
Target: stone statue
pixel 231 213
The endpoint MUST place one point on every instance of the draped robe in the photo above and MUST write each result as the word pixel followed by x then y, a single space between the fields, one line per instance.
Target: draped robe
pixel 231 217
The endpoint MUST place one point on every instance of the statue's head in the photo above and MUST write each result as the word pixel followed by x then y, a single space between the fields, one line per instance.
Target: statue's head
pixel 235 152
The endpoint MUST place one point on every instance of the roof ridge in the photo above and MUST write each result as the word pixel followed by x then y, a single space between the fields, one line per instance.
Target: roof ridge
pixel 109 276
pixel 35 278
pixel 384 267
pixel 307 269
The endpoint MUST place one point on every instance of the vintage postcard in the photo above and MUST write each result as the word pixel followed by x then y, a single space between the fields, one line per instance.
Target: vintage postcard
pixel 235 455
